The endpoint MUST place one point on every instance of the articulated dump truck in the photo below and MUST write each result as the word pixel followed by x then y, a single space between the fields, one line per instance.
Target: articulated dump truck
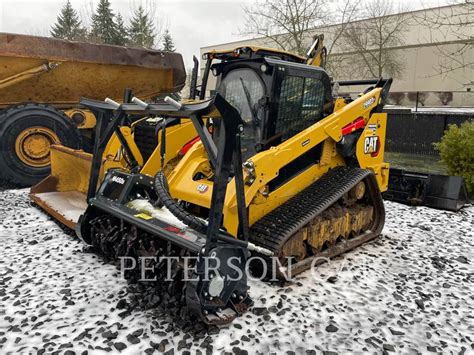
pixel 41 83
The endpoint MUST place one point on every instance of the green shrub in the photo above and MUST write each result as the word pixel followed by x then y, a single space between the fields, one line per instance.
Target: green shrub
pixel 456 150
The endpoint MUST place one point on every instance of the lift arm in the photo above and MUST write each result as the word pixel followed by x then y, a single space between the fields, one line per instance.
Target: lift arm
pixel 317 53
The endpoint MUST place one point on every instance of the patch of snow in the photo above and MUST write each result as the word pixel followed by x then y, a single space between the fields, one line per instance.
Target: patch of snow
pixel 409 290
pixel 70 204
pixel 433 109
pixel 446 109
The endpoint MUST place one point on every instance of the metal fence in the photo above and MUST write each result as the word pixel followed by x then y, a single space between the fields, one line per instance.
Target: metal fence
pixel 415 132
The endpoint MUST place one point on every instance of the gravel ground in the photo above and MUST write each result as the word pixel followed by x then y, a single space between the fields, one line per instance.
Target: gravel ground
pixel 411 290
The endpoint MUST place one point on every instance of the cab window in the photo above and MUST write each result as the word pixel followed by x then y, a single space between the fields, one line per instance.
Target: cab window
pixel 300 104
pixel 244 89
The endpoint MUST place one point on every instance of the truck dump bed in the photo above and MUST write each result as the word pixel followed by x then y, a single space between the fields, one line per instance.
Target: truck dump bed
pixel 60 72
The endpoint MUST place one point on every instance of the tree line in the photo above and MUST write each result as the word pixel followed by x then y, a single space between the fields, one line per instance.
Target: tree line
pixel 110 28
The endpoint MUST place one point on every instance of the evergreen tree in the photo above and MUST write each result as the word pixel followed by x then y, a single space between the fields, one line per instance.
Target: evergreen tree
pixel 104 28
pixel 68 25
pixel 122 34
pixel 168 44
pixel 141 30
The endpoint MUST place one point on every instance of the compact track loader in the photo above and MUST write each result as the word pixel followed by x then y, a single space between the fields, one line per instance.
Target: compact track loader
pixel 278 167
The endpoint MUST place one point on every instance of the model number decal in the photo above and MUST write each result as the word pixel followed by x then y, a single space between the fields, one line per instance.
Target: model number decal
pixel 202 188
pixel 118 180
pixel 369 102
pixel 372 146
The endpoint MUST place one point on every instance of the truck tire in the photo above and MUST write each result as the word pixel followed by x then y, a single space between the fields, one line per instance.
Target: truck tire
pixel 26 133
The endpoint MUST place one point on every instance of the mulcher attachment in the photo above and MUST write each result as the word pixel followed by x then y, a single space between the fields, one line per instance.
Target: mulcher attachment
pixel 219 296
pixel 122 220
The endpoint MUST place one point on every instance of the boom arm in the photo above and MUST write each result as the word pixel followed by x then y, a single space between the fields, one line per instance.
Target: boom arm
pixel 316 54
pixel 272 160
pixel 269 163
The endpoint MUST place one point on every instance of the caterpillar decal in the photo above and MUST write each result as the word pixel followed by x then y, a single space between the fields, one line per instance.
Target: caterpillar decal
pixel 372 145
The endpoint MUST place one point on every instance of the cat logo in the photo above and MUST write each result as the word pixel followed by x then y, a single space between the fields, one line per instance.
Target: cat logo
pixel 372 145
pixel 202 188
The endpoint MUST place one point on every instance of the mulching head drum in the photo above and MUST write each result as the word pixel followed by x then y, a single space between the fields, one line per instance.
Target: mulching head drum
pixel 213 282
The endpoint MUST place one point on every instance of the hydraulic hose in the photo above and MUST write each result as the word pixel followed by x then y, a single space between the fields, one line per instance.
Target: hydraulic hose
pixel 161 186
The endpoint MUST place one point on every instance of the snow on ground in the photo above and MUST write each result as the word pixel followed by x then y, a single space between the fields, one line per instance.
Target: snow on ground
pixel 410 290
pixel 433 109
pixel 445 109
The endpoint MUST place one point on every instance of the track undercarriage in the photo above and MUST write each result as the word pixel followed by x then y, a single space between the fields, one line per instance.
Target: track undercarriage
pixel 335 214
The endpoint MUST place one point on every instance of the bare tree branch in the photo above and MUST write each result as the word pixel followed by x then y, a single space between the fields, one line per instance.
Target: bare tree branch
pixel 371 40
pixel 286 22
pixel 346 12
pixel 448 24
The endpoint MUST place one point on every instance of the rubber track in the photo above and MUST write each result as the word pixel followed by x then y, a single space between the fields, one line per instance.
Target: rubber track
pixel 275 228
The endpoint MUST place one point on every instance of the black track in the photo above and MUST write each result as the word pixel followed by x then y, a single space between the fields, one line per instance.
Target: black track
pixel 274 229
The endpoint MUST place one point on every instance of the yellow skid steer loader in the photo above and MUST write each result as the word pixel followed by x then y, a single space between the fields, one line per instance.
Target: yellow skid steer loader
pixel 275 165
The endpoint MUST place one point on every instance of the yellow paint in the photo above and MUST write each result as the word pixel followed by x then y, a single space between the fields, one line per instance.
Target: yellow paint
pixel 127 134
pixel 341 223
pixel 30 78
pixel 176 137
pixel 268 163
pixel 143 216
pixel 318 54
pixel 18 75
pixel 32 146
pixel 376 127
pixel 181 182
pixel 89 118
pixel 70 169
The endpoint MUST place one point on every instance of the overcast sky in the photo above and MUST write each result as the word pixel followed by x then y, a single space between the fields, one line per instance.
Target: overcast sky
pixel 192 23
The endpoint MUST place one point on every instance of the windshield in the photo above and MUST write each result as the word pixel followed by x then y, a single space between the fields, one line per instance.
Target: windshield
pixel 243 89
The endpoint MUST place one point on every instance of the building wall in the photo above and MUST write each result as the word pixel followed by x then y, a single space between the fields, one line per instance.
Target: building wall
pixel 421 73
pixel 421 53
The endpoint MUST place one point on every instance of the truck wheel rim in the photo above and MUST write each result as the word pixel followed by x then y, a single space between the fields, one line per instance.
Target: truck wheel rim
pixel 32 146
